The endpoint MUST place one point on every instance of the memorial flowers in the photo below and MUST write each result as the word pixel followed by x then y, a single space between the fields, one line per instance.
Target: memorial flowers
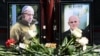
pixel 10 42
pixel 83 41
pixel 75 47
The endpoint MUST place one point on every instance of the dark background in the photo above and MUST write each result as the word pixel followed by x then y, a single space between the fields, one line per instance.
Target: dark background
pixel 95 17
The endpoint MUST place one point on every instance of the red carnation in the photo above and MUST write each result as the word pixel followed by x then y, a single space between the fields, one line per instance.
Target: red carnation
pixel 10 42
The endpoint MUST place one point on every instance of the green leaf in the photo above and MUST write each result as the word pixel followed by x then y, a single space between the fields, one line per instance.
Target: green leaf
pixel 65 41
pixel 71 49
pixel 35 40
pixel 50 51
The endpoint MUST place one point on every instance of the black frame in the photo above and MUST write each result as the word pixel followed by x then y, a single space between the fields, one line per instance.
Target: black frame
pixel 37 13
pixel 90 26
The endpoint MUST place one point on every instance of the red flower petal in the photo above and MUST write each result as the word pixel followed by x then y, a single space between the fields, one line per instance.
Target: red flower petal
pixel 9 42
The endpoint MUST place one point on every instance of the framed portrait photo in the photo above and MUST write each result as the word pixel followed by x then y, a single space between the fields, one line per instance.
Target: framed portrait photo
pixel 15 14
pixel 82 10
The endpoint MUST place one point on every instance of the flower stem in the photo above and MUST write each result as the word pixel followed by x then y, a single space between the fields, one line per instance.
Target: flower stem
pixel 67 45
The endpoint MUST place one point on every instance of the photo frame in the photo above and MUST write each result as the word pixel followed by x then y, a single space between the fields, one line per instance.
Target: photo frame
pixel 14 12
pixel 83 11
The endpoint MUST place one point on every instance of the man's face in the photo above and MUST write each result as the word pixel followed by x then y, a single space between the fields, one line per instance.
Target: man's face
pixel 28 17
pixel 73 22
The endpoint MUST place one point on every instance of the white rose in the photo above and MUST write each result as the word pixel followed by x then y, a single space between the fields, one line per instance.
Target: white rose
pixel 32 33
pixel 77 33
pixel 83 41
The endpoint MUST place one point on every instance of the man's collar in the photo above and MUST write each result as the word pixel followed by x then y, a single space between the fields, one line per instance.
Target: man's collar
pixel 24 22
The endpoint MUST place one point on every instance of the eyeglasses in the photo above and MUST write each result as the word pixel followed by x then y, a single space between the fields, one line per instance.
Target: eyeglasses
pixel 73 22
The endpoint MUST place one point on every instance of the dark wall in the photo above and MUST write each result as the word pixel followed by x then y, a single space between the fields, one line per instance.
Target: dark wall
pixel 3 22
pixel 3 17
pixel 95 20
pixel 97 13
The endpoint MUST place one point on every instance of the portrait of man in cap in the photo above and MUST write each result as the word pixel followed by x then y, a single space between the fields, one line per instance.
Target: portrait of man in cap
pixel 25 28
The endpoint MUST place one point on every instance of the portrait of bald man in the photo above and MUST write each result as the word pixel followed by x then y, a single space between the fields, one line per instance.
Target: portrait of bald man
pixel 73 23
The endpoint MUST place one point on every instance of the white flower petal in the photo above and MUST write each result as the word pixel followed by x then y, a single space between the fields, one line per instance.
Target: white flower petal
pixel 84 41
pixel 79 30
pixel 77 33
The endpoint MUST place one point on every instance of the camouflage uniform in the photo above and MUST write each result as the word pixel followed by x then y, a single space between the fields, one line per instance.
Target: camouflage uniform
pixel 22 32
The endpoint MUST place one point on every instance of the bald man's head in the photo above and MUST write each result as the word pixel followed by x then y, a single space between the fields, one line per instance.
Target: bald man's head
pixel 73 22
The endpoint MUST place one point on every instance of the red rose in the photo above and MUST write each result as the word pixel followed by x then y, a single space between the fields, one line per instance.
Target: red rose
pixel 10 42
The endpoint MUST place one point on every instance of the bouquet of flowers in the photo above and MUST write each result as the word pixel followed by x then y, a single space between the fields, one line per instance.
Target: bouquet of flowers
pixel 76 43
pixel 77 46
pixel 83 41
